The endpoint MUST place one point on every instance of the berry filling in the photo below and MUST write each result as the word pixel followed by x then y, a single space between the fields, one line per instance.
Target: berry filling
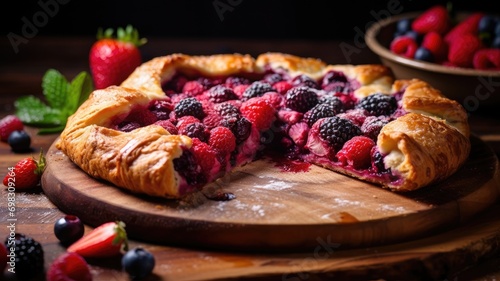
pixel 233 120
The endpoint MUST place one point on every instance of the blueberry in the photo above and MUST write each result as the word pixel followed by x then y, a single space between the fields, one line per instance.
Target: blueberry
pixel 68 229
pixel 403 25
pixel 487 24
pixel 19 141
pixel 496 43
pixel 424 54
pixel 414 35
pixel 138 263
pixel 497 29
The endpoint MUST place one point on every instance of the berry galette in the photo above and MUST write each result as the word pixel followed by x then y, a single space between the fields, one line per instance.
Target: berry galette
pixel 180 122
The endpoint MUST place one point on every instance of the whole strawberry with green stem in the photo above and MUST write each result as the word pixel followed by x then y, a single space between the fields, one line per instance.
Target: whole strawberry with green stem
pixel 113 59
pixel 26 174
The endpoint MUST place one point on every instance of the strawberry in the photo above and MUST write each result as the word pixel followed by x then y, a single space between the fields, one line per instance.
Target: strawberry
pixel 112 59
pixel 468 26
pixel 69 267
pixel 9 124
pixel 404 46
pixel 107 240
pixel 463 48
pixel 26 173
pixel 487 59
pixel 356 152
pixel 435 43
pixel 435 19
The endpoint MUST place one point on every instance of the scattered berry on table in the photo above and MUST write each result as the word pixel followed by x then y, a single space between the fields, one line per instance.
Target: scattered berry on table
pixel 301 98
pixel 107 240
pixel 378 104
pixel 138 263
pixel 69 267
pixel 29 259
pixel 19 141
pixel 9 124
pixel 69 229
pixel 336 131
pixel 27 173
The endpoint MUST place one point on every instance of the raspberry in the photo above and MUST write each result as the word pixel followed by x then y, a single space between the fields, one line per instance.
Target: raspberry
pixel 220 93
pixel 29 256
pixel 257 89
pixel 404 46
pixel 240 90
pixel 301 99
pixel 304 81
pixel 378 104
pixel 195 130
pixel 372 125
pixel 282 87
pixel 212 120
pixel 9 124
pixel 274 99
pixel 184 121
pixel 356 152
pixel 434 42
pixel 319 111
pixel 259 112
pixel 189 106
pixel 69 266
pixel 193 88
pixel 222 140
pixel 333 76
pixel 487 59
pixel 205 155
pixel 336 131
pixel 167 125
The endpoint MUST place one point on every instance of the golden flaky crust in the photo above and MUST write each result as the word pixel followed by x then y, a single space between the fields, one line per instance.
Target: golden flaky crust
pixel 426 145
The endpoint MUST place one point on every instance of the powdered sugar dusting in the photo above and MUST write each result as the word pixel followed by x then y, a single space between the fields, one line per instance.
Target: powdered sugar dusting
pixel 275 185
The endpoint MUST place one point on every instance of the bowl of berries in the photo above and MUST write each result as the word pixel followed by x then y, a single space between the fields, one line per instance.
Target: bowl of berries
pixel 456 52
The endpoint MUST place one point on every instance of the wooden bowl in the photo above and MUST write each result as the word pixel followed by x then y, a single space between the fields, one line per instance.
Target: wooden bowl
pixel 474 89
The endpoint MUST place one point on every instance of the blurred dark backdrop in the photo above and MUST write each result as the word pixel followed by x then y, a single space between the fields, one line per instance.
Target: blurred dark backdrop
pixel 214 18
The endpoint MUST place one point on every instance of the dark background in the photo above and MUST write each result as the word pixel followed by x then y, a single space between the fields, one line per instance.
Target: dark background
pixel 215 18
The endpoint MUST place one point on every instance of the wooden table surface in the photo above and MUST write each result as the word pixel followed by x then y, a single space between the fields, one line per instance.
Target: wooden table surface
pixel 21 73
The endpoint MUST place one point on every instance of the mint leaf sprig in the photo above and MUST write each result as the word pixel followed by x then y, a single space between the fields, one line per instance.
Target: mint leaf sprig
pixel 63 99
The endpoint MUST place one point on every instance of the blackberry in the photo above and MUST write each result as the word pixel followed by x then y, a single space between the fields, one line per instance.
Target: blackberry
pixel 333 76
pixel 339 87
pixel 272 78
pixel 196 130
pixel 220 93
pixel 378 104
pixel 29 257
pixel 336 131
pixel 189 106
pixel 227 110
pixel 257 89
pixel 187 167
pixel 207 83
pixel 304 80
pixel 233 81
pixel 319 111
pixel 335 102
pixel 301 98
pixel 240 127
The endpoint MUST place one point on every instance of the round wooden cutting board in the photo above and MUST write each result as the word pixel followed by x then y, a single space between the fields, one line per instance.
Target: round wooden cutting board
pixel 276 210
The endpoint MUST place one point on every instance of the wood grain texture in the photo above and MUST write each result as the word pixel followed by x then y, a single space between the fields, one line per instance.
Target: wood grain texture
pixel 280 211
